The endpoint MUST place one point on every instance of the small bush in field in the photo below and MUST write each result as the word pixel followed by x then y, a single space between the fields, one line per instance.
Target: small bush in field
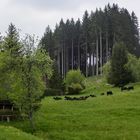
pixel 75 88
pixel 74 81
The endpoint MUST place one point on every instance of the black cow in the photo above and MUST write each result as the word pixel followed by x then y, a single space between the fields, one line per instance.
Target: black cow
pixel 130 88
pixel 102 94
pixel 67 98
pixel 92 95
pixel 123 88
pixel 109 93
pixel 57 98
pixel 86 97
pixel 76 98
pixel 127 88
pixel 83 97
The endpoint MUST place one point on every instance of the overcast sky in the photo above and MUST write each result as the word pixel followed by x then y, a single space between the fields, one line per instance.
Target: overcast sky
pixel 33 16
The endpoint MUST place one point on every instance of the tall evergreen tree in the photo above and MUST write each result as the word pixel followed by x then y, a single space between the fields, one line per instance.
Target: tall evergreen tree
pixel 85 26
pixel 119 75
pixel 12 41
pixel 88 44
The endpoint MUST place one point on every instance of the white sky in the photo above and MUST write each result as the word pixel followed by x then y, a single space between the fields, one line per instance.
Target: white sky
pixel 33 16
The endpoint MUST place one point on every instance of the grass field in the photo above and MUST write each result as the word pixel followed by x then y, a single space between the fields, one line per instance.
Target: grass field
pixel 115 117
pixel 11 133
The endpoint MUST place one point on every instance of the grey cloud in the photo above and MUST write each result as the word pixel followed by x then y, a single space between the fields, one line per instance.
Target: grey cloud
pixel 32 16
pixel 49 4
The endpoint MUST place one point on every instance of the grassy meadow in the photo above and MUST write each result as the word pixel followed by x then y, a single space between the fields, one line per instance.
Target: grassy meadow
pixel 115 117
pixel 11 133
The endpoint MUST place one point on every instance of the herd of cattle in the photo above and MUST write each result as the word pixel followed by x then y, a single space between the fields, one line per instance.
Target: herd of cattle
pixel 92 95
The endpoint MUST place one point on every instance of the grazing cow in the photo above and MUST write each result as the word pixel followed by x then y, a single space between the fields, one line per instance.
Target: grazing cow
pixel 84 97
pixel 123 88
pixel 102 94
pixel 76 98
pixel 57 98
pixel 127 88
pixel 92 96
pixel 109 93
pixel 67 98
pixel 130 88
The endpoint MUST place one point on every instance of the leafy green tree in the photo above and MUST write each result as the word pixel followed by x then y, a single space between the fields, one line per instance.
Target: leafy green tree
pixel 134 66
pixel 35 66
pixel 29 86
pixel 119 74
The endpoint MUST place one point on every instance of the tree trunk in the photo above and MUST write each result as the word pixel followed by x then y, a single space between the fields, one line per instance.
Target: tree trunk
pixel 101 54
pixel 67 59
pixel 30 111
pixel 79 53
pixel 93 71
pixel 62 58
pixel 107 47
pixel 72 55
pixel 86 58
pixel 114 38
pixel 31 120
pixel 97 56
pixel 90 68
pixel 58 61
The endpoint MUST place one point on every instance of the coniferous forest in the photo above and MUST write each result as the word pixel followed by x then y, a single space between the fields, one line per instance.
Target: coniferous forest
pixel 87 44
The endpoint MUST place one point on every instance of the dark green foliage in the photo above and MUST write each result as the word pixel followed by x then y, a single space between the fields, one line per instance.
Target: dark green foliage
pixel 52 92
pixel 12 42
pixel 56 81
pixel 55 85
pixel 74 42
pixel 9 112
pixel 119 74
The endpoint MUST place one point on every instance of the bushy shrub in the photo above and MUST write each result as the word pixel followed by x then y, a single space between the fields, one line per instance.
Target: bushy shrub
pixel 134 66
pixel 74 81
pixel 74 76
pixel 107 71
pixel 74 89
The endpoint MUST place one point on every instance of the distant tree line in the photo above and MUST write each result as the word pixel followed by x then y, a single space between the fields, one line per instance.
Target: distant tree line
pixel 87 45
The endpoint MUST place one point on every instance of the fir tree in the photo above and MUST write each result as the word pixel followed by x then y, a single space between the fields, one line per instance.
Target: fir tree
pixel 119 74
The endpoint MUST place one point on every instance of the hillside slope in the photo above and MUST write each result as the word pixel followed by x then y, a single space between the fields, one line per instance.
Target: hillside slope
pixel 114 117
pixel 11 133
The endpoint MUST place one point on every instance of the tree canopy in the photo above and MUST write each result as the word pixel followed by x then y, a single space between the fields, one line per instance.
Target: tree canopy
pixel 87 44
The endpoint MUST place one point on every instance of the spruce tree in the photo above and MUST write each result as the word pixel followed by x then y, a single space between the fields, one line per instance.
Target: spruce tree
pixel 119 74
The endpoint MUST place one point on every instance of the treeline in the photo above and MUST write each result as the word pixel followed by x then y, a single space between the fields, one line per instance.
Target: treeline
pixel 87 44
